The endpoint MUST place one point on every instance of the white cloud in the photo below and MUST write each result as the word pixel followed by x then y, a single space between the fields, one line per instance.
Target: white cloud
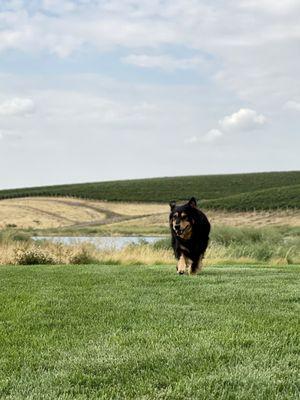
pixel 9 134
pixel 209 137
pixel 243 120
pixel 212 135
pixel 141 23
pixel 17 106
pixel 192 139
pixel 292 105
pixel 258 65
pixel 73 107
pixel 59 6
pixel 271 6
pixel 164 62
pixel 252 52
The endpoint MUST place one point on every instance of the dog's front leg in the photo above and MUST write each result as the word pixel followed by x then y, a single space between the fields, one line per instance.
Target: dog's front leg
pixel 181 265
pixel 196 266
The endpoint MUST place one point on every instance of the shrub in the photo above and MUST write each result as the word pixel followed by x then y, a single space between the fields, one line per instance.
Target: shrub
pixel 20 237
pixel 34 255
pixel 227 245
pixel 263 252
pixel 162 244
pixel 7 236
pixel 81 256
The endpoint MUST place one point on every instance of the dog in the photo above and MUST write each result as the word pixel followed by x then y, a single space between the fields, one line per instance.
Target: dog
pixel 190 230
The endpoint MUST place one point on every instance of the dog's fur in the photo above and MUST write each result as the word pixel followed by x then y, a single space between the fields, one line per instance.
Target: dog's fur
pixel 190 235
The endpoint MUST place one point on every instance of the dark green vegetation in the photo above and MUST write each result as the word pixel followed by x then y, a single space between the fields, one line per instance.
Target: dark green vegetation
pixel 237 191
pixel 256 244
pixel 228 244
pixel 108 332
pixel 280 197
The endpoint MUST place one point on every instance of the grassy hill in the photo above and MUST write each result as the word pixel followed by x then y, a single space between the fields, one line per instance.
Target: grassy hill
pixel 235 191
pixel 273 198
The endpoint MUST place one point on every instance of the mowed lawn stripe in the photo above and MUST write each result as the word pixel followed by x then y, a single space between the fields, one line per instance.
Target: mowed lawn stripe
pixel 112 332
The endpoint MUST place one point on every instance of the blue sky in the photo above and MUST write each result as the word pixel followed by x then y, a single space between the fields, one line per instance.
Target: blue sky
pixel 95 90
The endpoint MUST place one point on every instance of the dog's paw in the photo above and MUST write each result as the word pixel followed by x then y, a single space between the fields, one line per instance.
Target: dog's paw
pixel 181 266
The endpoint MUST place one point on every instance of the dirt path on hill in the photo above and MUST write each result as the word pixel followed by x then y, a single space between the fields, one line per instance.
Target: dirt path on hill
pixel 48 213
pixel 110 216
pixel 106 212
pixel 108 221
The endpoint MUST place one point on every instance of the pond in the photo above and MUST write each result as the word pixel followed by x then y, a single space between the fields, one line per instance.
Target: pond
pixel 103 242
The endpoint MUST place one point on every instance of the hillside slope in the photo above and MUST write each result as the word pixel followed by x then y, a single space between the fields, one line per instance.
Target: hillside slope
pixel 235 191
pixel 273 198
pixel 69 216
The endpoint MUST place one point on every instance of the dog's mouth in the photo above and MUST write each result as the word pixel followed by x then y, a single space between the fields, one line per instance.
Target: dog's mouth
pixel 181 232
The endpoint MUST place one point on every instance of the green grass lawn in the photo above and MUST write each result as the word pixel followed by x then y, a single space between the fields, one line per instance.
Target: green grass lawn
pixel 111 332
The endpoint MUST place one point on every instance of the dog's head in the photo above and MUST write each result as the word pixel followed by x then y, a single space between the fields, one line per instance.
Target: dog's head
pixel 181 218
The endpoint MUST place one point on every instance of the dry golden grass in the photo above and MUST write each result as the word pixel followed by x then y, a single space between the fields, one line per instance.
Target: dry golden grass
pixel 53 253
pixel 236 219
pixel 51 212
pixel 255 218
pixel 45 213
pixel 26 253
pixel 68 209
pixel 132 209
pixel 150 223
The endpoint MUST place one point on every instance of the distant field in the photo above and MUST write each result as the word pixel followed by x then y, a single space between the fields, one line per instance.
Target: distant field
pixel 141 332
pixel 62 215
pixel 270 190
pixel 62 212
pixel 273 198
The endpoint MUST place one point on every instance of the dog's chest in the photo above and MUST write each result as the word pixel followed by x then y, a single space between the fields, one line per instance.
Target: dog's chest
pixel 184 248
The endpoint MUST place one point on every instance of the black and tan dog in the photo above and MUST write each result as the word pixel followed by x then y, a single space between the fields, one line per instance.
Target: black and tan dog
pixel 190 235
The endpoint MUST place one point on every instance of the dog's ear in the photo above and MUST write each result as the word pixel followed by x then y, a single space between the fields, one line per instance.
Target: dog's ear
pixel 193 202
pixel 172 204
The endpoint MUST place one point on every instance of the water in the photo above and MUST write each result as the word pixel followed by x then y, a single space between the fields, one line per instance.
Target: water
pixel 103 242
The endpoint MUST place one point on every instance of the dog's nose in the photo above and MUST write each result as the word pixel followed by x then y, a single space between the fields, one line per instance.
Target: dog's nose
pixel 177 227
pixel 181 272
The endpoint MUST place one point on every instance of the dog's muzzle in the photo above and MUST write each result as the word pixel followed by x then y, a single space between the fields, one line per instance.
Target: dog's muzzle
pixel 179 231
